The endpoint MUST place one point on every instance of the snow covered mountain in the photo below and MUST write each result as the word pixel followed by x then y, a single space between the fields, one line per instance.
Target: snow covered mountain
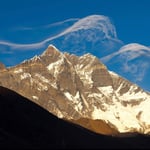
pixel 132 62
pixel 81 90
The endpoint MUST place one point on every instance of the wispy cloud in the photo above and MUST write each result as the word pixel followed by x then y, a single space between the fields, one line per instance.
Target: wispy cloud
pixel 41 44
pixel 95 21
pixel 17 46
pixel 129 52
pixel 60 23
pixel 138 70
pixel 24 28
pixel 32 46
pixel 132 59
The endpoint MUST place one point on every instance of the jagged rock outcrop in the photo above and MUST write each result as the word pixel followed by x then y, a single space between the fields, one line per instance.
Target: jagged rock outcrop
pixel 2 66
pixel 81 90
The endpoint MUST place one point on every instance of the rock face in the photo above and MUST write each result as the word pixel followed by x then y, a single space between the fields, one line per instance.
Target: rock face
pixel 81 90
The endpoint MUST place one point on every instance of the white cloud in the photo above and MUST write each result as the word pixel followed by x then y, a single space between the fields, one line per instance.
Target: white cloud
pixel 134 47
pixel 22 46
pixel 138 70
pixel 45 26
pixel 97 21
pixel 132 58
pixel 60 23
pixel 108 58
pixel 129 52
pixel 94 21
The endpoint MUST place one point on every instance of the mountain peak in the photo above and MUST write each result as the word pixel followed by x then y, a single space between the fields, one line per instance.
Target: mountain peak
pixel 51 50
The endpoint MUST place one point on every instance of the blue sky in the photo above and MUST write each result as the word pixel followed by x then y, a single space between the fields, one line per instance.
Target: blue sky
pixel 130 17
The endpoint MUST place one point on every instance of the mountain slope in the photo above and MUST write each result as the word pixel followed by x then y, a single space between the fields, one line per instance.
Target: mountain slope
pixel 81 89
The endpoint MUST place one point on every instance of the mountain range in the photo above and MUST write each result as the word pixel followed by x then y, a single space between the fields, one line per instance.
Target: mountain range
pixel 81 90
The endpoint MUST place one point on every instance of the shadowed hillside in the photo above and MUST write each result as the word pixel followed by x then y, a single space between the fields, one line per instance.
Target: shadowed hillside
pixel 23 124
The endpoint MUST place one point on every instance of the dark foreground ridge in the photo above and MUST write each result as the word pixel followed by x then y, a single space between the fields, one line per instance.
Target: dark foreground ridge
pixel 24 124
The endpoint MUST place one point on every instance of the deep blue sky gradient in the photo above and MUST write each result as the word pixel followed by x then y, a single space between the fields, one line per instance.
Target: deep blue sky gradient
pixel 130 17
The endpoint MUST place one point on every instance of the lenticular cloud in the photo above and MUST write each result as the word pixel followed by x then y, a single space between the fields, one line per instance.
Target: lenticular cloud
pixel 95 21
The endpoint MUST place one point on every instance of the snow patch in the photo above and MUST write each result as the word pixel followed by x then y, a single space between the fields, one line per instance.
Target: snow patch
pixel 54 85
pixel 113 74
pixel 106 90
pixel 78 107
pixel 80 66
pixel 20 70
pixel 59 114
pixel 35 97
pixel 75 99
pixel 122 118
pixel 55 67
pixel 85 76
pixel 52 46
pixel 132 95
pixel 42 78
pixel 25 75
pixel 42 87
pixel 145 108
pixel 35 58
pixel 95 95
pixel 69 96
pixel 84 100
